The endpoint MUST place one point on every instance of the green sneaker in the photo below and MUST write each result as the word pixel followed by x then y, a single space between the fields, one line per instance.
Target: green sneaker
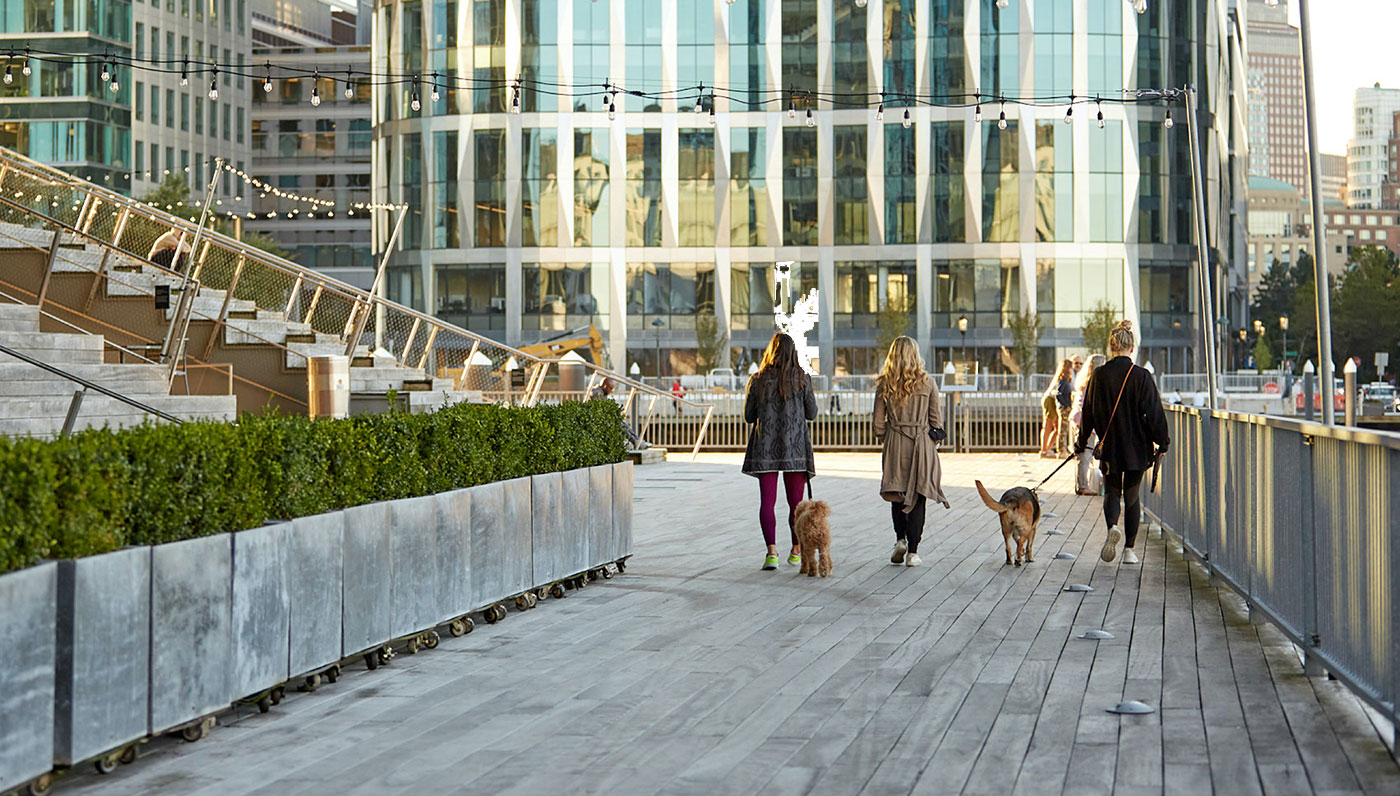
pixel 770 563
pixel 795 559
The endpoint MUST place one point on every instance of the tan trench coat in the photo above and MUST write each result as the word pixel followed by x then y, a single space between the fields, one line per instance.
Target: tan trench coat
pixel 910 459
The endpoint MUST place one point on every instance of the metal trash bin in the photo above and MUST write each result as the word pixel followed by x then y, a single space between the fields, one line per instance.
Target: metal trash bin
pixel 328 386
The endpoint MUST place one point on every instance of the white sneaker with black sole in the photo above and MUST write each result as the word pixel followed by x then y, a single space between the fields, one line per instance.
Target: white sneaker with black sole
pixel 900 548
pixel 1110 545
pixel 1129 557
pixel 913 560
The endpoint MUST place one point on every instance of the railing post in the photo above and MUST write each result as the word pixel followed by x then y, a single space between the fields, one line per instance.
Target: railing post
pixel 49 264
pixel 1307 527
pixel 73 408
pixel 1394 658
pixel 360 319
pixel 700 438
pixel 223 311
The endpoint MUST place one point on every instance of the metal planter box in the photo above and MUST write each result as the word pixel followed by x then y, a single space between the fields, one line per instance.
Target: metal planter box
pixel 314 591
pixel 454 554
pixel 103 653
pixel 367 599
pixel 553 548
pixel 27 678
pixel 620 543
pixel 600 515
pixel 261 610
pixel 413 565
pixel 190 630
pixel 501 548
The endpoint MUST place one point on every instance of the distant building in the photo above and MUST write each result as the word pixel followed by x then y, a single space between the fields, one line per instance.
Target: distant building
pixel 1368 160
pixel 1334 177
pixel 1277 145
pixel 1277 227
pixel 1350 227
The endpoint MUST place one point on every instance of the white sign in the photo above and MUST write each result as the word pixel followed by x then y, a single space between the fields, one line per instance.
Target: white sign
pixel 802 318
pixel 1382 359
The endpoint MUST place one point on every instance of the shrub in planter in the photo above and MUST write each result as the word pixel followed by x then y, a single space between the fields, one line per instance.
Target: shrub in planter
pixel 101 490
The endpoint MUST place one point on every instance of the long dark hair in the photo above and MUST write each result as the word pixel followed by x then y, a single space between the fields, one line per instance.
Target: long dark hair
pixel 780 367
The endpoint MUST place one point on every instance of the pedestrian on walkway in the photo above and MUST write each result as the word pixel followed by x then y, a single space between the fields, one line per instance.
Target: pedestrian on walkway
pixel 779 403
pixel 1055 398
pixel 908 422
pixel 1122 406
pixel 1086 481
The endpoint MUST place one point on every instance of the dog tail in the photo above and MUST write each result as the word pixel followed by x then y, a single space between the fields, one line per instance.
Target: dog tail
pixel 987 498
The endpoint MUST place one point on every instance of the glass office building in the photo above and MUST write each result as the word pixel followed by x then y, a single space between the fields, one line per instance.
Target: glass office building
pixel 55 107
pixel 642 213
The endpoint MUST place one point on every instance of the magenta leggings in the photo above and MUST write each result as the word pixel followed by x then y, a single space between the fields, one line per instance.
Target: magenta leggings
pixel 793 483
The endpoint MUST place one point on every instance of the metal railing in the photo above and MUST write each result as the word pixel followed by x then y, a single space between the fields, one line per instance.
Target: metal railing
pixel 76 405
pixel 33 194
pixel 1300 519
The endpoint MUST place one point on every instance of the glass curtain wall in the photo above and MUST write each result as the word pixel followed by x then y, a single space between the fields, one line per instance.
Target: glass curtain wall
pixel 849 185
pixel 901 186
pixel 949 190
pixel 947 51
pixel 644 206
pixel 539 55
pixel 1001 185
pixel 849 54
pixel 539 187
pixel 591 187
pixel 748 188
pixel 446 229
pixel 643 53
pixel 489 59
pixel 1106 183
pixel 901 80
pixel 591 35
pixel 697 187
pixel 800 186
pixel 490 151
pixel 748 60
pixel 1001 52
pixel 443 55
pixel 1054 181
pixel 799 73
pixel 1106 47
pixel 695 48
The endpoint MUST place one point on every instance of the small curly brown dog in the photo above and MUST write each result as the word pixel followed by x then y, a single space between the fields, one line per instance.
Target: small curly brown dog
pixel 814 536
pixel 1019 510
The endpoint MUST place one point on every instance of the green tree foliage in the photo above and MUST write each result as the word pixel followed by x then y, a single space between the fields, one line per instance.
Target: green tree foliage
pixel 101 490
pixel 1263 358
pixel 1099 322
pixel 1025 340
pixel 892 322
pixel 1366 309
pixel 1276 296
pixel 710 340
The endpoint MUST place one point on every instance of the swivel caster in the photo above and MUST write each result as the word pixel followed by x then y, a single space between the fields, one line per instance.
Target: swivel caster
pixel 494 614
pixel 412 646
pixel 128 755
pixel 311 683
pixel 333 673
pixel 386 654
pixel 607 573
pixel 461 626
pixel 265 703
pixel 557 591
pixel 41 786
pixel 430 639
pixel 108 763
pixel 278 694
pixel 197 731
pixel 621 566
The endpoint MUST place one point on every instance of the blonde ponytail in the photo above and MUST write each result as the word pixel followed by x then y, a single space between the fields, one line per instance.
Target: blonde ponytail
pixel 1122 340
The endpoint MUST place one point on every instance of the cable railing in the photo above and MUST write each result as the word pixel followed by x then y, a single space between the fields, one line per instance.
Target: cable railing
pixel 363 323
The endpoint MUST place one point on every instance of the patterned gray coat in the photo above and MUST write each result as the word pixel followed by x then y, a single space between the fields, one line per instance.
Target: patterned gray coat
pixel 779 440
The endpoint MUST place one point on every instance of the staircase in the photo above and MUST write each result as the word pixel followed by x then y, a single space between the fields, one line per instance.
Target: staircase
pixel 35 402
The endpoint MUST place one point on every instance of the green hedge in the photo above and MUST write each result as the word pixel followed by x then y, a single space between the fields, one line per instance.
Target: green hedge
pixel 101 490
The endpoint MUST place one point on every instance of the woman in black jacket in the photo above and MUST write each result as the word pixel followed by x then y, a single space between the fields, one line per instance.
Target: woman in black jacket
pixel 780 401
pixel 1122 405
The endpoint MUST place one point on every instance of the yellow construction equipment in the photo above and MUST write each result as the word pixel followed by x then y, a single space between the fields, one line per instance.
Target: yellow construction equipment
pixel 583 337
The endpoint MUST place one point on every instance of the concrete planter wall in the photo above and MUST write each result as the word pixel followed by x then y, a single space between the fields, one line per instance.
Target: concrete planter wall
pixel 103 654
pixel 105 650
pixel 27 678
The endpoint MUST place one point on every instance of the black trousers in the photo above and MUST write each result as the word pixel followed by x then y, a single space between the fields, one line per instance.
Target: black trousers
pixel 1123 484
pixel 909 527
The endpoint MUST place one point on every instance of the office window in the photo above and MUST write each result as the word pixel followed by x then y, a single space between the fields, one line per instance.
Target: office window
pixel 643 30
pixel 446 227
pixel 539 187
pixel 590 52
pixel 677 290
pixel 1105 46
pixel 140 40
pixel 849 186
pixel 1054 181
pixel 1001 192
pixel 242 8
pixel 561 296
pixel 947 52
pixel 849 50
pixel 238 131
pixel 185 112
pixel 644 219
pixel 695 51
pixel 155 163
pixel 1000 50
pixel 901 220
pixel 799 26
pixel 411 174
pixel 472 295
pixel 140 101
pixel 199 115
pixel 986 292
pixel 1106 183
pixel 898 44
pixel 140 157
pixel 949 189
pixel 800 186
pixel 1152 184
pixel 489 37
pixel 155 44
pixel 748 187
pixel 591 208
pixel 490 151
pixel 747 55
pixel 539 53
pixel 697 187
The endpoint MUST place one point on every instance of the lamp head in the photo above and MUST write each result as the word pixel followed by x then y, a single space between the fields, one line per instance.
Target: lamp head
pixel 962 324
pixel 1283 322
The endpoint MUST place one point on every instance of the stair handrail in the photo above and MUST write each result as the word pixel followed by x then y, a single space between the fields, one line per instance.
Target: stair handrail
pixel 87 385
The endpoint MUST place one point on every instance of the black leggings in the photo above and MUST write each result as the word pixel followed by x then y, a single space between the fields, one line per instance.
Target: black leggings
pixel 909 527
pixel 1123 484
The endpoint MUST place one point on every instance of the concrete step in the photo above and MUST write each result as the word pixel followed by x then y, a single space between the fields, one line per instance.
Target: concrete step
pixel 648 456
pixel 19 318
pixel 54 348
pixel 21 379
pixel 44 416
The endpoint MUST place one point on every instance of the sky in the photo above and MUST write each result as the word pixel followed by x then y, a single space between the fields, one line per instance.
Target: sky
pixel 1354 45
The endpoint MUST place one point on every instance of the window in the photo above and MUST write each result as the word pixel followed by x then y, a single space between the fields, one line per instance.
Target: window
pixel 185 112
pixel 695 50
pixel 472 295
pixel 591 36
pixel 1105 46
pixel 643 51
pixel 800 186
pixel 155 44
pixel 199 115
pixel 748 188
pixel 591 210
pixel 678 290
pixel 140 40
pixel 862 288
pixel 752 292
pixel 240 15
pixel 1054 181
pixel 539 187
pixel 360 135
pixel 325 137
pixel 949 190
pixel 899 48
pixel 901 221
pixel 1001 192
pixel 748 62
pixel 1000 50
pixel 140 156
pixel 446 227
pixel 1106 183
pixel 539 52
pixel 490 150
pixel 561 296
pixel 849 185
pixel 799 26
pixel 644 220
pixel 947 53
pixel 1077 285
pixel 697 187
pixel 1165 290
pixel 849 48
pixel 238 131
pixel 1152 184
pixel 1054 50
pixel 140 101
pixel 155 163
pixel 986 292
pixel 489 36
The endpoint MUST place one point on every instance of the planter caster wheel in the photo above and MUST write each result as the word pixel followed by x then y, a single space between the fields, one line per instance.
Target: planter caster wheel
pixel 196 732
pixel 557 591
pixel 264 704
pixel 526 601
pixel 607 573
pixel 333 673
pixel 412 646
pixel 40 786
pixel 541 593
pixel 108 763
pixel 430 639
pixel 621 566
pixel 372 660
pixel 278 694
pixel 386 654
pixel 128 755
pixel 311 683
pixel 457 628
pixel 490 615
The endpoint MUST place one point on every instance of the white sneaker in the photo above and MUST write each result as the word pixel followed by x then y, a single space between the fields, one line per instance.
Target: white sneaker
pixel 1110 545
pixel 913 560
pixel 1129 557
pixel 900 548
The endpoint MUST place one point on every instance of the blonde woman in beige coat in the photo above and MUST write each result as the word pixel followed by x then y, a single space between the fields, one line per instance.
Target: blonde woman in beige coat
pixel 908 421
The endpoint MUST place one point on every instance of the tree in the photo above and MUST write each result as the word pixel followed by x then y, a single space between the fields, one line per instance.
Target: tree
pixel 711 341
pixel 1025 340
pixel 1366 308
pixel 1263 358
pixel 892 322
pixel 1099 322
pixel 1275 297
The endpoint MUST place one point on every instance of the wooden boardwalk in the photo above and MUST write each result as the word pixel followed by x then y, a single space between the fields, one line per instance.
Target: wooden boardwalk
pixel 695 673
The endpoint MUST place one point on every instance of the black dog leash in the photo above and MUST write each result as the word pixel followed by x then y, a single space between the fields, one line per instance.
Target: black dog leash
pixel 1052 472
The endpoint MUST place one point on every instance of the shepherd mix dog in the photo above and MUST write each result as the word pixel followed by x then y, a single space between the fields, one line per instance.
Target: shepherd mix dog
pixel 814 537
pixel 1019 510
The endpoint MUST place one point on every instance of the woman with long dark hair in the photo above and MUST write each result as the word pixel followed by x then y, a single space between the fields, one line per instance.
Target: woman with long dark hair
pixel 1122 406
pixel 780 401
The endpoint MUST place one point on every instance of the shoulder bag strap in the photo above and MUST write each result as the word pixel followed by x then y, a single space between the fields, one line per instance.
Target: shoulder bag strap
pixel 1109 426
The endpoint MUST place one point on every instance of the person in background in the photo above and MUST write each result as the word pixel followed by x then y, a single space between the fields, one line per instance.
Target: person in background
pixel 779 403
pixel 1064 399
pixel 907 421
pixel 677 392
pixel 1050 409
pixel 1084 481
pixel 1122 406
pixel 604 390
pixel 169 251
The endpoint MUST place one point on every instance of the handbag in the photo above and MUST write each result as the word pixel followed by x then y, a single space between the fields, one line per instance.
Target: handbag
pixel 1098 449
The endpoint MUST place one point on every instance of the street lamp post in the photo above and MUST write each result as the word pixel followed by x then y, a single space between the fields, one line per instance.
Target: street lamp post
pixel 1283 325
pixel 656 324
pixel 962 328
pixel 1244 348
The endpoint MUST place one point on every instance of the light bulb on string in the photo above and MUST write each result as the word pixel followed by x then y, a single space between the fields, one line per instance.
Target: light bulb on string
pixel 908 120
pixel 106 72
pixel 415 103
pixel 861 3
pixel 1003 3
pixel 700 99
pixel 1100 117
pixel 810 121
pixel 1140 6
pixel 1069 112
pixel 9 78
pixel 880 113
pixel 1001 122
pixel 315 88
pixel 712 113
pixel 267 79
pixel 184 73
pixel 115 84
pixel 436 95
pixel 977 114
pixel 349 84
pixel 214 85
pixel 515 99
pixel 612 110
pixel 25 70
pixel 792 107
pixel 1168 122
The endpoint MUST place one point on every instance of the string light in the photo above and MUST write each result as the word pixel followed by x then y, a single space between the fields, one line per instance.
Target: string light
pixel 880 113
pixel 908 120
pixel 315 89
pixel 792 108
pixel 184 73
pixel 515 98
pixel 1100 116
pixel 115 85
pixel 267 80
pixel 435 95
pixel 1069 113
pixel 861 3
pixel 977 114
pixel 25 70
pixel 1001 123
pixel 712 112
pixel 810 121
pixel 700 99
pixel 9 78
pixel 612 110
pixel 214 85
pixel 414 102
pixel 1168 123
pixel 349 84
pixel 106 72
